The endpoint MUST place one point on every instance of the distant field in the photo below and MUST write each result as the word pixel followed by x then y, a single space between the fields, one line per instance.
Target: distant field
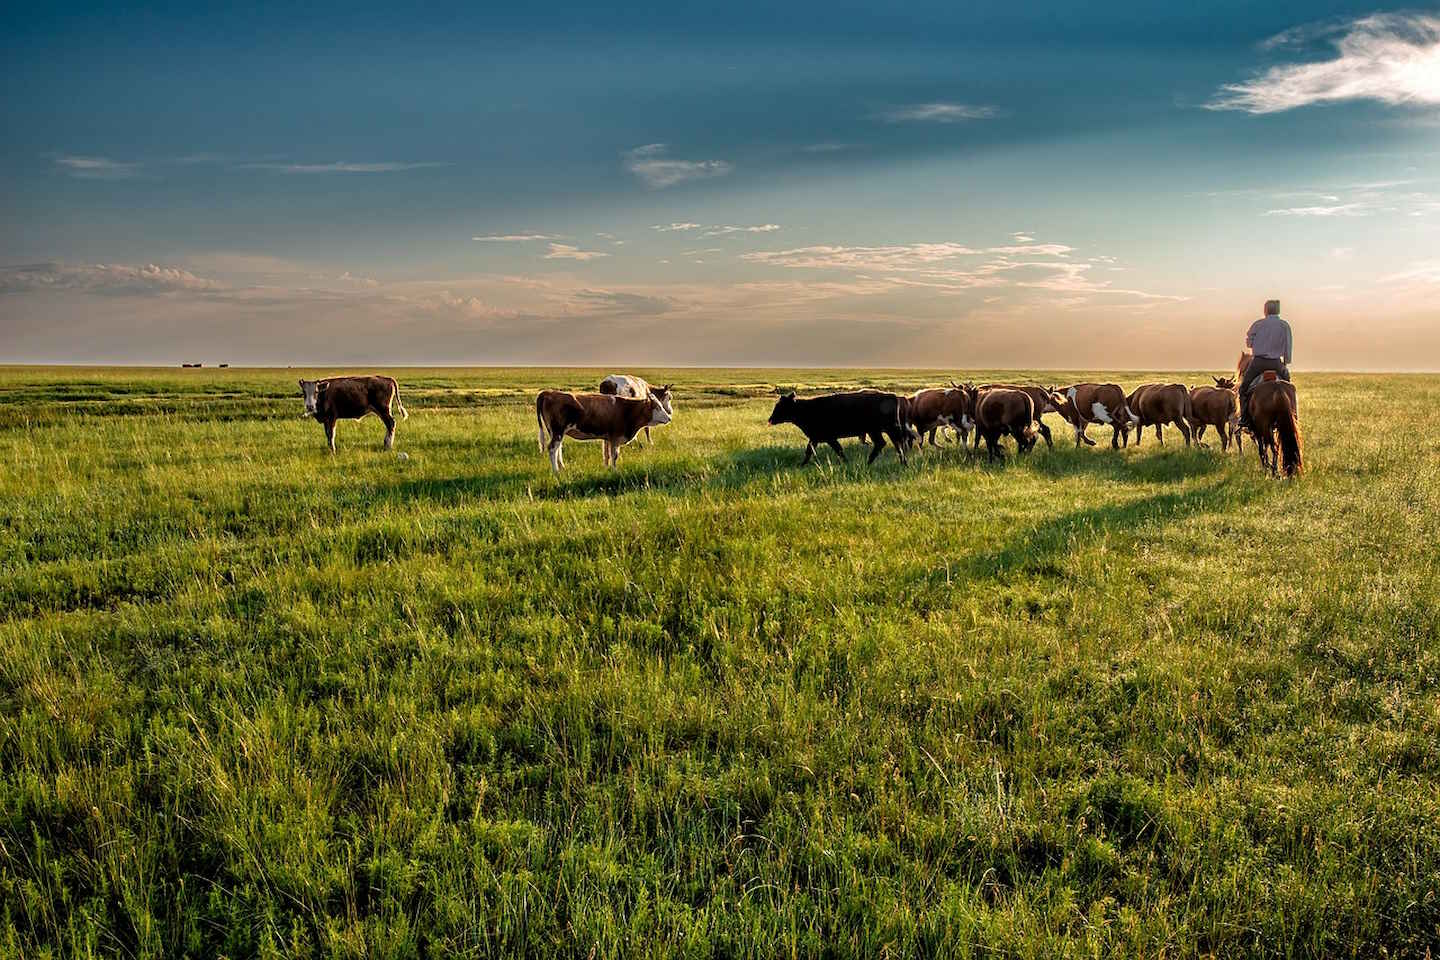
pixel 258 700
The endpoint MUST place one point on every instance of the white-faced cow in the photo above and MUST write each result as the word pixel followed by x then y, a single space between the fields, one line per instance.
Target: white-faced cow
pixel 839 416
pixel 624 385
pixel 998 411
pixel 350 398
pixel 1085 403
pixel 593 416
pixel 1156 404
pixel 929 410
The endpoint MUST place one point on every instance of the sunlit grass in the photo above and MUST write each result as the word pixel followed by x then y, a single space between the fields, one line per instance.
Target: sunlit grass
pixel 256 699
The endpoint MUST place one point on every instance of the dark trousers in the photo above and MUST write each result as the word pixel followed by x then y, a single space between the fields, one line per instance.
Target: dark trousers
pixel 1257 368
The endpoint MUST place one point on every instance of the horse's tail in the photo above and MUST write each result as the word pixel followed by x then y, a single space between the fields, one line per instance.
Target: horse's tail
pixel 1289 429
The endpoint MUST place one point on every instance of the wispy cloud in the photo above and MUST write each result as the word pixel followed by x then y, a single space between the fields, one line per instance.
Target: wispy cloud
pixel 1391 58
pixel 673 227
pixel 565 251
pixel 1335 210
pixel 953 268
pixel 95 168
pixel 515 237
pixel 102 278
pixel 342 166
pixel 655 168
pixel 619 302
pixel 939 113
pixel 611 237
pixel 727 230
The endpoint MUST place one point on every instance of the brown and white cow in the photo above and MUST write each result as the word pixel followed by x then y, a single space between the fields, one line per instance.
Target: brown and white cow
pixel 1218 407
pixel 1038 396
pixel 1156 404
pixel 998 411
pixel 350 398
pixel 593 416
pixel 928 410
pixel 1082 404
pixel 636 388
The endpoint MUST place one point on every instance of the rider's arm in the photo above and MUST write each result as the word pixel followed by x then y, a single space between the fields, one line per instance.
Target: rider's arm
pixel 1250 335
pixel 1289 343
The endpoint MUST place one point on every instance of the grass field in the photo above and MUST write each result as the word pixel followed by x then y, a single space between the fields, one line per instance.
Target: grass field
pixel 258 700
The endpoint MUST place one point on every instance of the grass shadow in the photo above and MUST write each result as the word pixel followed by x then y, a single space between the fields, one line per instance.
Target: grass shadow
pixel 1041 548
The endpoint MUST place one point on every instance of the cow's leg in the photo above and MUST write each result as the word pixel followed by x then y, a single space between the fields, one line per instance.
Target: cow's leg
pixel 614 454
pixel 1184 429
pixel 839 450
pixel 1159 433
pixel 1198 431
pixel 902 444
pixel 557 460
pixel 330 434
pixel 1140 433
pixel 389 422
pixel 992 446
pixel 809 453
pixel 879 439
pixel 647 434
pixel 932 436
pixel 1044 432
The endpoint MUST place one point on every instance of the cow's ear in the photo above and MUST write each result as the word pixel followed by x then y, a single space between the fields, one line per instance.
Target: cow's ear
pixel 322 385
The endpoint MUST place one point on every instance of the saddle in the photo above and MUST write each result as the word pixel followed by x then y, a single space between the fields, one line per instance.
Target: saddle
pixel 1270 376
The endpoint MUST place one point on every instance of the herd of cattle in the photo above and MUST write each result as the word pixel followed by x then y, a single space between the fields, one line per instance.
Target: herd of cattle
pixel 625 405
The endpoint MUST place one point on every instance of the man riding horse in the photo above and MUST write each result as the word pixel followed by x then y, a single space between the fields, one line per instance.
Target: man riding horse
pixel 1271 342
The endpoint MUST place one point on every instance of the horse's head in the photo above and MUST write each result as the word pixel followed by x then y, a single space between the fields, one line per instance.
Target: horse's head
pixel 1244 361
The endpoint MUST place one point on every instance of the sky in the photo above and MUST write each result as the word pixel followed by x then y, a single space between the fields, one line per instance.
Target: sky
pixel 989 184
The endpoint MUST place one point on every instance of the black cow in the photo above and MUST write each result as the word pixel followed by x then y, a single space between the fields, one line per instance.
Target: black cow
pixel 838 416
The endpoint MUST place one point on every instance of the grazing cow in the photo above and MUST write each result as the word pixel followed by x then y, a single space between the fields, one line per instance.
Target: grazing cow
pixel 593 416
pixel 1043 405
pixel 838 416
pixel 1217 407
pixel 350 398
pixel 624 385
pixel 1001 410
pixel 1156 404
pixel 929 410
pixel 1085 403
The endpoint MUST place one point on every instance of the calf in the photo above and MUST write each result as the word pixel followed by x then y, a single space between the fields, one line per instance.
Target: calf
pixel 1085 403
pixel 1217 407
pixel 624 385
pixel 593 416
pixel 1038 396
pixel 929 410
pixel 1002 410
pixel 350 398
pixel 837 416
pixel 1156 404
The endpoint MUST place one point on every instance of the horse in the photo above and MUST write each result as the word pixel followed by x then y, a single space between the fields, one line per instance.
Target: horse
pixel 1272 409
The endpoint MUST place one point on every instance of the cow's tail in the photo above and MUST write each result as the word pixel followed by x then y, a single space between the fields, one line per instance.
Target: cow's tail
pixel 1289 429
pixel 395 395
pixel 540 419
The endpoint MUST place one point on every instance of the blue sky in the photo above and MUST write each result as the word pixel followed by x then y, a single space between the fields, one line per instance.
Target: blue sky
pixel 961 185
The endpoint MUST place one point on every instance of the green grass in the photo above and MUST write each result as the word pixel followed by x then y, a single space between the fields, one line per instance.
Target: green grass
pixel 258 700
